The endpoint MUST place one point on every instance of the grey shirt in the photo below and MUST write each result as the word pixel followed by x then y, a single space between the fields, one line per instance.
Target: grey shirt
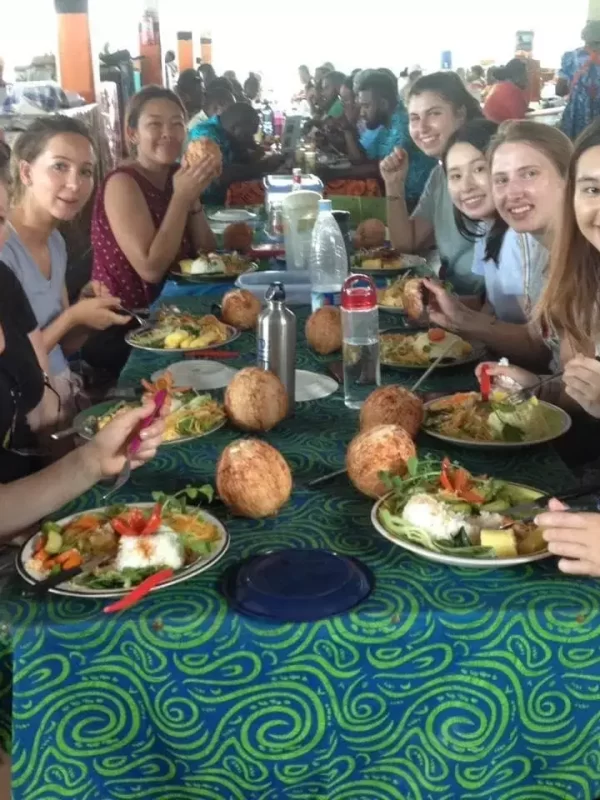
pixel 436 207
pixel 45 296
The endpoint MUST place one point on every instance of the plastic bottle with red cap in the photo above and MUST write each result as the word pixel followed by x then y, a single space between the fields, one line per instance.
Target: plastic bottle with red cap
pixel 360 332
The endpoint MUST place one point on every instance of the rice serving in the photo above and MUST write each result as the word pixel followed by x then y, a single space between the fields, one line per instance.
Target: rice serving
pixel 162 549
pixel 424 511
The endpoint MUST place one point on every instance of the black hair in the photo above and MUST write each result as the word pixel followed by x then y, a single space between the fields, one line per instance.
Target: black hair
pixel 188 81
pixel 478 70
pixel 450 87
pixel 348 83
pixel 239 113
pixel 381 85
pixel 139 100
pixel 336 78
pixel 218 94
pixel 208 73
pixel 514 70
pixel 4 164
pixel 478 133
pixel 251 85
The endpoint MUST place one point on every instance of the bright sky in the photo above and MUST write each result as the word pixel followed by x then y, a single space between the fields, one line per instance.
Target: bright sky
pixel 274 42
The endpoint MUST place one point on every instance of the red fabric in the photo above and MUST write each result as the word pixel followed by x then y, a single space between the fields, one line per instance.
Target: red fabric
pixel 353 188
pixel 505 101
pixel 110 263
pixel 245 193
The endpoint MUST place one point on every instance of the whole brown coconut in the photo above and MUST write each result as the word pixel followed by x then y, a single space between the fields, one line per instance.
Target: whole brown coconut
pixel 256 400
pixel 370 233
pixel 240 308
pixel 253 478
pixel 200 149
pixel 392 405
pixel 385 448
pixel 324 330
pixel 238 236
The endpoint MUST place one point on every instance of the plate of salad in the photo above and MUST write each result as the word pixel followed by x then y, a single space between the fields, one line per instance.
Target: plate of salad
pixel 176 332
pixel 126 544
pixel 189 414
pixel 440 512
pixel 467 419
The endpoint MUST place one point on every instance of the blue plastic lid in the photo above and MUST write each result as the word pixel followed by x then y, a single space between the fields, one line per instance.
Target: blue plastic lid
pixel 325 205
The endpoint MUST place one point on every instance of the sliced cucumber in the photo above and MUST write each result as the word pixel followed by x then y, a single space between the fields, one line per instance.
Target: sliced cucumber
pixel 54 542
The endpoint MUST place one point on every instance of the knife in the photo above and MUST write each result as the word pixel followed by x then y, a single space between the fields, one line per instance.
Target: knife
pixel 42 587
pixel 526 511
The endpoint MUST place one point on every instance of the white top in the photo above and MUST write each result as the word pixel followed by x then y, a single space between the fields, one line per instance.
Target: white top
pixel 513 286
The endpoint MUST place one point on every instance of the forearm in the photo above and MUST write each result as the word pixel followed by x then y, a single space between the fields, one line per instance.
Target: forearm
pixel 74 340
pixel 506 339
pixel 28 500
pixel 355 154
pixel 400 225
pixel 59 330
pixel 165 245
pixel 203 239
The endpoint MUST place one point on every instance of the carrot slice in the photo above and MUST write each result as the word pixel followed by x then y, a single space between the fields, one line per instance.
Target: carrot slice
pixel 63 557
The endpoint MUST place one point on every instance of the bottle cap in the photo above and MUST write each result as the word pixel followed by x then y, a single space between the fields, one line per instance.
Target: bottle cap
pixel 359 297
pixel 325 205
pixel 275 293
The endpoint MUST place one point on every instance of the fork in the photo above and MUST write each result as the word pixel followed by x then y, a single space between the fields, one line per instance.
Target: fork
pixel 136 443
pixel 130 313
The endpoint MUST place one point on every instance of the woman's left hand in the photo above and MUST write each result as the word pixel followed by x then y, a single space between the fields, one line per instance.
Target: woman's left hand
pixel 574 536
pixel 107 452
pixel 582 383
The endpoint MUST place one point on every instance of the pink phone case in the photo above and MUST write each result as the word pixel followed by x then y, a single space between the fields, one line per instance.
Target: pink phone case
pixel 159 401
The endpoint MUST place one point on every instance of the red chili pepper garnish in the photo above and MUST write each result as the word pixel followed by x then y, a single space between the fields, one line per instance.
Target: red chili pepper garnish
pixel 472 497
pixel 153 524
pixel 137 594
pixel 445 476
pixel 123 528
pixel 485 382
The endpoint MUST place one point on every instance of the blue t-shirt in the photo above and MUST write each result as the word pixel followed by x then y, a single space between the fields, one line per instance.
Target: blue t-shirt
pixel 387 138
pixel 212 129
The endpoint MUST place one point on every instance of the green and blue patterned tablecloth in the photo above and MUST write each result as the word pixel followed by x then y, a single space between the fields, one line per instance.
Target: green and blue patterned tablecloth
pixel 446 684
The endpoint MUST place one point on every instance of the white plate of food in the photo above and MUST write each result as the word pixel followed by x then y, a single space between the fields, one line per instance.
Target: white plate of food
pixel 189 414
pixel 176 332
pixel 187 540
pixel 413 348
pixel 221 266
pixel 441 513
pixel 229 215
pixel 385 261
pixel 466 419
pixel 399 294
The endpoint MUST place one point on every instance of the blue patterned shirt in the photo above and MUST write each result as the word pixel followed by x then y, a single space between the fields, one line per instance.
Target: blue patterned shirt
pixel 397 135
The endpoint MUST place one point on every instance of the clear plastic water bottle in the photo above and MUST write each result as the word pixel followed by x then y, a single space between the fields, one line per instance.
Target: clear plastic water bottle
pixel 328 259
pixel 360 332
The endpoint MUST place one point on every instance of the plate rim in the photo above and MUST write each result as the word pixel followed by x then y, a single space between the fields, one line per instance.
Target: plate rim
pixel 249 215
pixel 496 445
pixel 236 333
pixel 78 423
pixel 107 594
pixel 213 276
pixel 457 561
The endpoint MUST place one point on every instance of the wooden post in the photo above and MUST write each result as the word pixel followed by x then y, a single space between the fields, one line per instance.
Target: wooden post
pixel 76 64
pixel 150 51
pixel 185 50
pixel 206 48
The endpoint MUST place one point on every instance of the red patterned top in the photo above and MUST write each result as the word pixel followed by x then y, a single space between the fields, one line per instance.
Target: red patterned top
pixel 110 262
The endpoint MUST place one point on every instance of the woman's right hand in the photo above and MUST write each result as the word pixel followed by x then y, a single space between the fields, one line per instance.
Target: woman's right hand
pixel 191 180
pixel 98 313
pixel 521 376
pixel 394 169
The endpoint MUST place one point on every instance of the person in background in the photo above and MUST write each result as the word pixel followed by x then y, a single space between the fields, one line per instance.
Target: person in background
pixel 511 252
pixel 331 102
pixel 208 74
pixel 236 88
pixel 476 81
pixel 216 100
pixel 170 69
pixel 252 89
pixel 190 90
pixel 382 110
pixel 230 75
pixel 508 98
pixel 567 314
pixel 53 164
pixel 342 133
pixel 412 76
pixel 439 104
pixel 579 79
pixel 234 131
pixel 306 96
pixel 148 214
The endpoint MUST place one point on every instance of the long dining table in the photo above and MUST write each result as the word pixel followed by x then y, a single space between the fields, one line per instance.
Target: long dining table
pixel 445 683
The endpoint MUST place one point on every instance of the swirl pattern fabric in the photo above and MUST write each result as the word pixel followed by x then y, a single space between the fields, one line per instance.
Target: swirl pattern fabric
pixel 446 683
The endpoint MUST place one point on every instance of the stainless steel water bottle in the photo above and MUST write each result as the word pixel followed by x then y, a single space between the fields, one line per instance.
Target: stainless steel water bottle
pixel 276 347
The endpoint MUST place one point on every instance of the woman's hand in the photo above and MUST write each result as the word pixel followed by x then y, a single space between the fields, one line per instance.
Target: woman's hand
pixel 574 536
pixel 106 453
pixel 394 169
pixel 582 383
pixel 191 180
pixel 521 376
pixel 98 313
pixel 445 309
pixel 94 289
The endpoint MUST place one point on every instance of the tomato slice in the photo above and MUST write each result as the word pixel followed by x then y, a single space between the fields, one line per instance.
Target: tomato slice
pixel 436 335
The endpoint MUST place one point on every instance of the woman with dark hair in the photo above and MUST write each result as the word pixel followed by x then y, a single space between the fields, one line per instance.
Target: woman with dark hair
pixel 208 74
pixel 528 164
pixel 508 98
pixel 438 105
